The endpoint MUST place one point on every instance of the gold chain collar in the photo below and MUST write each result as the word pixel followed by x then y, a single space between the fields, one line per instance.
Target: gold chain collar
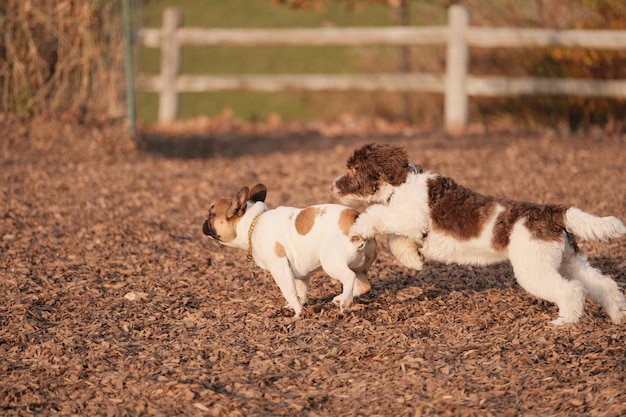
pixel 250 231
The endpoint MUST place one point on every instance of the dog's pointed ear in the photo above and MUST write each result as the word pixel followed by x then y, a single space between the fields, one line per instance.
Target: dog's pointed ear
pixel 258 193
pixel 239 205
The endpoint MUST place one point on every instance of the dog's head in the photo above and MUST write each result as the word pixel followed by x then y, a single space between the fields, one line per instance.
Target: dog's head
pixel 369 169
pixel 224 214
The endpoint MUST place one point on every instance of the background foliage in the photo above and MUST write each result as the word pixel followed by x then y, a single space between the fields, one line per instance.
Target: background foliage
pixel 66 57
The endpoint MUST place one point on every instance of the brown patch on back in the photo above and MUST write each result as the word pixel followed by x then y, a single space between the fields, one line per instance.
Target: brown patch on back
pixel 463 214
pixel 279 250
pixel 545 222
pixel 305 220
pixel 372 165
pixel 456 210
pixel 347 219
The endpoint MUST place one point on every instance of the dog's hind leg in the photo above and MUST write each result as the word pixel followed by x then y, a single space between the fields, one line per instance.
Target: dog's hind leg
pixel 546 283
pixel 361 284
pixel 364 259
pixel 302 289
pixel 536 267
pixel 602 289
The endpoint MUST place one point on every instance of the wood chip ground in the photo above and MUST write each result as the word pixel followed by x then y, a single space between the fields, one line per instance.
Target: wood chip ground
pixel 114 303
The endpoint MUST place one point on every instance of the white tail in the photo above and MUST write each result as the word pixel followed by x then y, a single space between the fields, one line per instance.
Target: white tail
pixel 589 227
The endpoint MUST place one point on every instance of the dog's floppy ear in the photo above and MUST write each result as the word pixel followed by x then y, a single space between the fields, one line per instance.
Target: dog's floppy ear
pixel 258 193
pixel 239 205
pixel 392 163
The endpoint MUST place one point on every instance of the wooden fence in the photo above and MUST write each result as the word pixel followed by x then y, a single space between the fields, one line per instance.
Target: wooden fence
pixel 457 84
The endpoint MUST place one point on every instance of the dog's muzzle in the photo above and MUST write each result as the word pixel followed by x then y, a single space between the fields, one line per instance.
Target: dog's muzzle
pixel 336 188
pixel 208 230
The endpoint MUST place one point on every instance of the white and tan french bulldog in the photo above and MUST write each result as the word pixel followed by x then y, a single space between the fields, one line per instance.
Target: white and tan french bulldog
pixel 292 242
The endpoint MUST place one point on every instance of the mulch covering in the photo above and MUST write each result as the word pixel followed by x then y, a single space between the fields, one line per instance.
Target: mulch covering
pixel 114 303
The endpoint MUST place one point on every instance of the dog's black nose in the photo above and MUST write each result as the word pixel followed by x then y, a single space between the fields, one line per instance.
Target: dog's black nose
pixel 209 231
pixel 205 228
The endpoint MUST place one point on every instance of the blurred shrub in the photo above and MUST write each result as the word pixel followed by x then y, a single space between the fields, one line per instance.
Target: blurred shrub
pixel 576 112
pixel 62 56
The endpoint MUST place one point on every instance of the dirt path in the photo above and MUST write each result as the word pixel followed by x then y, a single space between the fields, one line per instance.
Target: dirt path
pixel 114 303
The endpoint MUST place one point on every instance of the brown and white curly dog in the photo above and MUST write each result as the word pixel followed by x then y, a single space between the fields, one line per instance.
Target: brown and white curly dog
pixel 431 216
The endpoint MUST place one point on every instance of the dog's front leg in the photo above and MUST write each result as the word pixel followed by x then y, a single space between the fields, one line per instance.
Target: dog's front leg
pixel 407 251
pixel 337 267
pixel 346 298
pixel 369 224
pixel 286 282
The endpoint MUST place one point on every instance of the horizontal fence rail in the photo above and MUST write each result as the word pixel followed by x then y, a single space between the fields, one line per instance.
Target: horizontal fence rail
pixel 506 86
pixel 428 35
pixel 425 83
pixel 545 38
pixel 456 84
pixel 290 37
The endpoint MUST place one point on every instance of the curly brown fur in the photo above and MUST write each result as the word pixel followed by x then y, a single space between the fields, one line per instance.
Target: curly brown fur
pixel 375 165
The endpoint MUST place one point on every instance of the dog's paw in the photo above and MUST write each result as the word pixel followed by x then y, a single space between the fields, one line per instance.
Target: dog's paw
pixel 304 299
pixel 358 242
pixel 557 322
pixel 413 262
pixel 407 251
pixel 302 313
pixel 561 321
pixel 344 305
pixel 299 311
pixel 619 316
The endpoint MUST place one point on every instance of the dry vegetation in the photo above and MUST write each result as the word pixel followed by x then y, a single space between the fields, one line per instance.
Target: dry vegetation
pixel 114 303
pixel 56 56
pixel 66 57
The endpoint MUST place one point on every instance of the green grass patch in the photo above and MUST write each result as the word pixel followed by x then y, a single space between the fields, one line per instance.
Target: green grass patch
pixel 263 60
pixel 265 14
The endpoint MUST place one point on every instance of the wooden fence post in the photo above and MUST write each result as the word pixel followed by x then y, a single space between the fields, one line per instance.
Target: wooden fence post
pixel 170 65
pixel 457 65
